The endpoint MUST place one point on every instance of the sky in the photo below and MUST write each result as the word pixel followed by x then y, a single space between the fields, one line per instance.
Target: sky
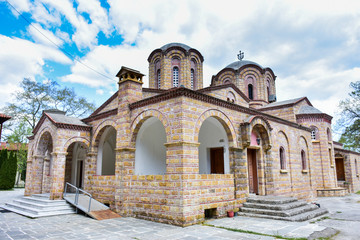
pixel 312 46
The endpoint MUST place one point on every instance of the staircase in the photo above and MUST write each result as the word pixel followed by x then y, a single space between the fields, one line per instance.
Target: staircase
pixel 280 208
pixel 39 205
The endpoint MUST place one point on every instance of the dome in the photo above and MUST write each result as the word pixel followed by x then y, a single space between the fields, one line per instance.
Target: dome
pixel 238 64
pixel 169 45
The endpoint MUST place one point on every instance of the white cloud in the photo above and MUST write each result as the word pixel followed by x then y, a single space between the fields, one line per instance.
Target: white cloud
pixel 43 36
pixel 21 58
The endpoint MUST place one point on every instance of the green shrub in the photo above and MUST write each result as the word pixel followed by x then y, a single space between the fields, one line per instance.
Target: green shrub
pixel 8 170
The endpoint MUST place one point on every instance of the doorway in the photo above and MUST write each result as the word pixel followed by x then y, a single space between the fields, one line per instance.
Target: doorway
pixel 340 170
pixel 217 160
pixel 252 171
pixel 79 175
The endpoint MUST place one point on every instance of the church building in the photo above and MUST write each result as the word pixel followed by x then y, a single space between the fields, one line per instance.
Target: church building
pixel 176 150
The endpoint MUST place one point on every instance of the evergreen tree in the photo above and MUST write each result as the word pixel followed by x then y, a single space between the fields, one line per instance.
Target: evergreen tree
pixel 8 170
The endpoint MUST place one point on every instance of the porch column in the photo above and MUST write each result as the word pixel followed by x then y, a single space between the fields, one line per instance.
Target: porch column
pixel 57 175
pixel 45 173
pixel 182 158
pixel 238 167
pixel 28 180
pixel 124 170
pixel 90 169
pixel 37 174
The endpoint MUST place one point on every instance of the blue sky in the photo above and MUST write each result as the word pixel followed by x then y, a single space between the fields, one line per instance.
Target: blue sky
pixel 312 46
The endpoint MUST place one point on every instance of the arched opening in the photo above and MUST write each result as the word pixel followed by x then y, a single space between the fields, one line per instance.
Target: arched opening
pixel 328 132
pixel 303 160
pixel 43 163
pixel 314 133
pixel 175 77
pixel 106 152
pixel 214 148
pixel 75 164
pixel 230 97
pixel 192 75
pixel 340 167
pixel 282 158
pixel 150 153
pixel 250 91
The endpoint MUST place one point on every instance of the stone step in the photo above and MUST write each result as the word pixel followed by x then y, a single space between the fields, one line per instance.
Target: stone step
pixel 26 213
pixel 42 200
pixel 281 213
pixel 41 195
pixel 39 205
pixel 36 211
pixel 270 199
pixel 280 207
pixel 297 218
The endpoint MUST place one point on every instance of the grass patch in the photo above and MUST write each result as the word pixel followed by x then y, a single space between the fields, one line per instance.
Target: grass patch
pixel 320 219
pixel 338 212
pixel 358 192
pixel 254 233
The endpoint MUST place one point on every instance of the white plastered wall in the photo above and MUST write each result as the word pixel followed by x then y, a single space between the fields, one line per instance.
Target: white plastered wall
pixel 106 153
pixel 79 154
pixel 150 154
pixel 212 134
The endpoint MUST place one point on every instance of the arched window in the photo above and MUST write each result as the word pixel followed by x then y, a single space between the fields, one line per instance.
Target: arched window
pixel 250 91
pixel 268 90
pixel 282 158
pixel 303 160
pixel 356 168
pixel 175 77
pixel 158 79
pixel 192 78
pixel 314 133
pixel 328 132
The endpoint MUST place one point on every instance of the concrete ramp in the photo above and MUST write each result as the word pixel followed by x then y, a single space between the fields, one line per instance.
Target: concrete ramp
pixel 89 205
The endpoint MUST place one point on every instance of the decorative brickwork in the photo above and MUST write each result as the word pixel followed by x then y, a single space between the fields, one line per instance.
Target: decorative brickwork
pixel 238 152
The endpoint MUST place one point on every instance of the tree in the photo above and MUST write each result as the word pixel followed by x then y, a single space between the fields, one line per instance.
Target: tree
pixel 350 119
pixel 8 170
pixel 36 97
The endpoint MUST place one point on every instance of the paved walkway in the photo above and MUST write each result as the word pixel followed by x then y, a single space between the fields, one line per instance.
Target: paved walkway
pixel 344 216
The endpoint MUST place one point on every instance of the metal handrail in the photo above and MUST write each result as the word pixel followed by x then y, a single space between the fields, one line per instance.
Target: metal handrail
pixel 77 194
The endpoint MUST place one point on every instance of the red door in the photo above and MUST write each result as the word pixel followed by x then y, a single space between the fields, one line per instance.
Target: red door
pixel 217 160
pixel 252 170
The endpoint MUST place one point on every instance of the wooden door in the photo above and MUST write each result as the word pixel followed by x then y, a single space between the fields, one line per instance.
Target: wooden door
pixel 217 160
pixel 340 170
pixel 252 171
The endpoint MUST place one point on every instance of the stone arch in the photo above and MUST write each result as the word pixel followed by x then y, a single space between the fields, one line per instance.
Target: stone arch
pixel 106 155
pixel 142 117
pixel 71 140
pixel 99 130
pixel 304 147
pixel 284 143
pixel 224 121
pixel 43 142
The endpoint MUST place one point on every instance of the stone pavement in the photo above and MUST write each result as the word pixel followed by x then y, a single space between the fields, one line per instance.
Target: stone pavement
pixel 344 216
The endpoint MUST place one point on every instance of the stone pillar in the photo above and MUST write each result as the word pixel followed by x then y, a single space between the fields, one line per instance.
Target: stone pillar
pixel 90 169
pixel 29 173
pixel 37 174
pixel 57 175
pixel 182 158
pixel 238 167
pixel 124 170
pixel 45 173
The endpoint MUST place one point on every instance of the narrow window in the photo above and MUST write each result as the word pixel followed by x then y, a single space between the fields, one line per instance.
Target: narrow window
pixel 159 79
pixel 250 91
pixel 175 77
pixel 282 158
pixel 268 93
pixel 192 78
pixel 313 134
pixel 356 168
pixel 303 160
pixel 328 132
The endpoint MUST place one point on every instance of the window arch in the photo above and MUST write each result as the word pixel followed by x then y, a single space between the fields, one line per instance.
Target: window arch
pixel 268 90
pixel 303 160
pixel 251 91
pixel 356 168
pixel 193 74
pixel 158 79
pixel 282 158
pixel 175 77
pixel 328 132
pixel 314 133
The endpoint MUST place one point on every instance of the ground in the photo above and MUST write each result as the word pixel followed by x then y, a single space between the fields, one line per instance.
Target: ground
pixel 343 217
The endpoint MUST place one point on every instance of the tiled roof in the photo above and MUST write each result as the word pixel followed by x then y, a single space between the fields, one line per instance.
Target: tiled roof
pixel 59 117
pixel 238 64
pixel 308 110
pixel 281 103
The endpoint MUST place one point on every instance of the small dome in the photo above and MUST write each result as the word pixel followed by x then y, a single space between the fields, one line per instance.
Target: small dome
pixel 238 64
pixel 169 45
pixel 308 110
